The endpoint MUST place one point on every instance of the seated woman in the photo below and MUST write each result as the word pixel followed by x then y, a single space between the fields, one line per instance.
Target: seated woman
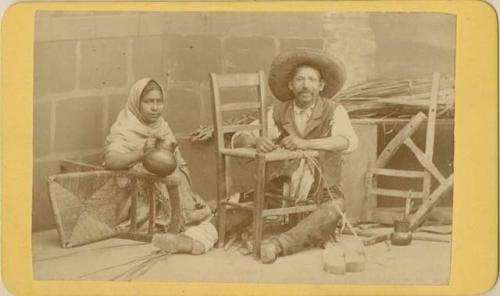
pixel 139 128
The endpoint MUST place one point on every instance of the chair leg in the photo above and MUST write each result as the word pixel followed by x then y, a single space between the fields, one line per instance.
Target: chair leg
pixel 152 209
pixel 176 221
pixel 221 196
pixel 221 224
pixel 258 220
pixel 133 206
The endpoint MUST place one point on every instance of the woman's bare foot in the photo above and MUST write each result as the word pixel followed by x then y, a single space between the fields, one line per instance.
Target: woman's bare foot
pixel 177 243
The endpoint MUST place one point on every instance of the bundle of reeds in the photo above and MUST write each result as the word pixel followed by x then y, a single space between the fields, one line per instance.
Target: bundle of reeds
pixel 206 132
pixel 396 98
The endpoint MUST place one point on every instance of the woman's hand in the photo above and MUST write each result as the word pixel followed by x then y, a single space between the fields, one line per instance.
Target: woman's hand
pixel 168 145
pixel 149 144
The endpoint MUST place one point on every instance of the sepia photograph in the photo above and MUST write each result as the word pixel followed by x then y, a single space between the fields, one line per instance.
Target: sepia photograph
pixel 243 147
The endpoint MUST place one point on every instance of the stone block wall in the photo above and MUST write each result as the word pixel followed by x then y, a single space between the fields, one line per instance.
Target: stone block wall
pixel 85 62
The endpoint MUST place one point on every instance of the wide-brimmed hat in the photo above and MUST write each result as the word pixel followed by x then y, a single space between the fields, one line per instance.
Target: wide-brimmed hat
pixel 332 71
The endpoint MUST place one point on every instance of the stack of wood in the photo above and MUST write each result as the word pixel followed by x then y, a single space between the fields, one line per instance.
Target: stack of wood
pixel 401 98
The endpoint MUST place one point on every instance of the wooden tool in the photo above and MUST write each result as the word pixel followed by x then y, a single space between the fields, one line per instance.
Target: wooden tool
pixel 375 239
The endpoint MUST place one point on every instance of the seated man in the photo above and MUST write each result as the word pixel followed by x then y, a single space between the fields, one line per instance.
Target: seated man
pixel 304 81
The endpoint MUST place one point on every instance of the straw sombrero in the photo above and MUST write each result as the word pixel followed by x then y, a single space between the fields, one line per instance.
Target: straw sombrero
pixel 332 72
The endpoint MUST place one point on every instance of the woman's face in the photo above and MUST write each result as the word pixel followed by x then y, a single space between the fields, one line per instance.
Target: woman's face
pixel 151 105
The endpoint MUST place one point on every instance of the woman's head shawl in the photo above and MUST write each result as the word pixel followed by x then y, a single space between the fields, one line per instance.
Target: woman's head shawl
pixel 130 130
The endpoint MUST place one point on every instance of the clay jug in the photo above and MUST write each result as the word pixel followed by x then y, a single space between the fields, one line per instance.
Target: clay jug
pixel 160 162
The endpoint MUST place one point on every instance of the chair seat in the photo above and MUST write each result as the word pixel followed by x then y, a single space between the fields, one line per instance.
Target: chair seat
pixel 283 154
pixel 276 155
pixel 240 152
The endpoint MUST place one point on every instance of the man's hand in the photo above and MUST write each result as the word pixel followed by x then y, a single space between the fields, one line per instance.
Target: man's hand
pixel 265 145
pixel 294 143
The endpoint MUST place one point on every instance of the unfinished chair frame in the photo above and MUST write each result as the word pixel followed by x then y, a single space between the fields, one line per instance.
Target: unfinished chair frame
pixel 424 158
pixel 257 79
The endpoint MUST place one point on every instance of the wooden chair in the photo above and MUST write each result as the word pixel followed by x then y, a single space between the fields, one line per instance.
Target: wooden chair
pixel 83 197
pixel 218 82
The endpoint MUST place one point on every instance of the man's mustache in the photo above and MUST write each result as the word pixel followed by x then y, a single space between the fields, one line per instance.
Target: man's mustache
pixel 305 92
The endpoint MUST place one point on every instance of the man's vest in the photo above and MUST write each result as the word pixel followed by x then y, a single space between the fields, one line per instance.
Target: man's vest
pixel 318 126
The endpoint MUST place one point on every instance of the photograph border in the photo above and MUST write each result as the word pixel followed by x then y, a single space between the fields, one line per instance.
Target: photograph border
pixel 474 263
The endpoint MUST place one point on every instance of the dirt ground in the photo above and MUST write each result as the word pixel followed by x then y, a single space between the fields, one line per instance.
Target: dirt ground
pixel 422 262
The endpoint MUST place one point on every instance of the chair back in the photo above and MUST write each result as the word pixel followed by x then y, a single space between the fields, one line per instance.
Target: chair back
pixel 237 80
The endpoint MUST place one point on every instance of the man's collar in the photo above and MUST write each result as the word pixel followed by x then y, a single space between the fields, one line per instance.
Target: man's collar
pixel 299 110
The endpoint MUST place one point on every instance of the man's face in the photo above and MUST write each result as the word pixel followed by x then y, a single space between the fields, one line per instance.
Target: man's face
pixel 151 105
pixel 306 85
